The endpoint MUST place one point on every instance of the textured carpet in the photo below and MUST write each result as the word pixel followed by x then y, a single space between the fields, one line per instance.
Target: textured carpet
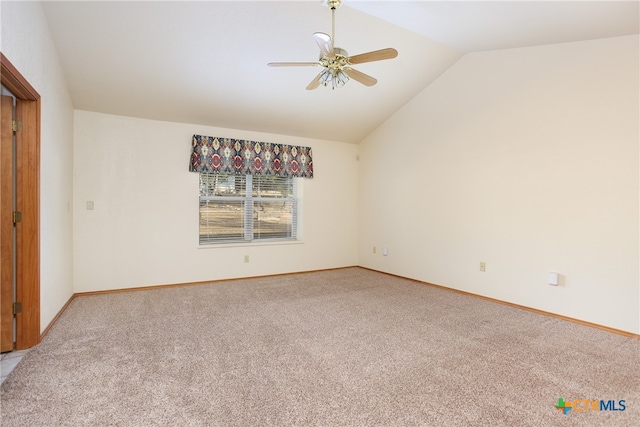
pixel 345 347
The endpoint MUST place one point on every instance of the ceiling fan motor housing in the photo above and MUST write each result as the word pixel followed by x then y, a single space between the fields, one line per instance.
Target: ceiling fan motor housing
pixel 338 61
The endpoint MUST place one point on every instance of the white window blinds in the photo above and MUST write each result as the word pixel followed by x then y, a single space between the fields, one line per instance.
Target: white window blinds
pixel 247 208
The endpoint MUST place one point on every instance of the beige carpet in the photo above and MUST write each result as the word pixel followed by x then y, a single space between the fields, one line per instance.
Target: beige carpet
pixel 347 347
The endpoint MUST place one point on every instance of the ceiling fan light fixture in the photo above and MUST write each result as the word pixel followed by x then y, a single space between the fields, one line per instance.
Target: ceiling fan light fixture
pixel 341 78
pixel 337 78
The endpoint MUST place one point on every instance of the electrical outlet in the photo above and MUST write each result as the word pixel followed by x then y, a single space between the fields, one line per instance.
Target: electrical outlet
pixel 375 249
pixel 246 258
pixel 483 266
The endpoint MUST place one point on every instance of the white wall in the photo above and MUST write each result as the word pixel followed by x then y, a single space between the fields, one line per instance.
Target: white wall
pixel 144 227
pixel 26 42
pixel 526 159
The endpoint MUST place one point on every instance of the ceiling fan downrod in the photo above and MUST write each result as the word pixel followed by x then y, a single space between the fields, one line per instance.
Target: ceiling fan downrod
pixel 333 5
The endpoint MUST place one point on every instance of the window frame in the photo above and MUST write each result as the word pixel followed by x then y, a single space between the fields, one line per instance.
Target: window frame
pixel 249 202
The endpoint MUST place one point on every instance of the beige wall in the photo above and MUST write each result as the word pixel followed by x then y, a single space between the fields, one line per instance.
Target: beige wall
pixel 526 159
pixel 144 227
pixel 26 42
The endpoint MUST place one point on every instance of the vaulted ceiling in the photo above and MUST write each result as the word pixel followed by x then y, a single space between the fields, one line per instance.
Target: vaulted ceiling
pixel 205 62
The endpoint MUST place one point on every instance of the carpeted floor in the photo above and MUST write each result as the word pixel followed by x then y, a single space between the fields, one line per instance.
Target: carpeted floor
pixel 347 347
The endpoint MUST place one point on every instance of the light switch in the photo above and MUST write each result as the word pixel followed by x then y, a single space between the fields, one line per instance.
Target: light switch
pixel 89 205
pixel 553 279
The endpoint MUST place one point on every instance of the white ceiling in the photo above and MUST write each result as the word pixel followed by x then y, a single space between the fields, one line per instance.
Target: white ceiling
pixel 204 62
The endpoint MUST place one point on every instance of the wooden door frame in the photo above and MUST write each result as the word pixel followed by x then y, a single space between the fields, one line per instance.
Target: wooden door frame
pixel 28 202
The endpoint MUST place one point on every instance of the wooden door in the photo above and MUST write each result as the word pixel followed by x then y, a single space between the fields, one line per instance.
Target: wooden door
pixel 27 192
pixel 6 225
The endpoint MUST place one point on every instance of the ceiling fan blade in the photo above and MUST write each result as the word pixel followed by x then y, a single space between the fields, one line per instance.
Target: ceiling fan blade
pixel 360 77
pixel 315 82
pixel 292 64
pixel 376 55
pixel 324 43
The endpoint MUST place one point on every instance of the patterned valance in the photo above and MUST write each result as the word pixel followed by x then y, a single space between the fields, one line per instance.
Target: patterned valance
pixel 240 157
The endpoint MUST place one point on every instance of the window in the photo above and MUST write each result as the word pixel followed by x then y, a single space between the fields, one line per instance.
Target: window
pixel 245 208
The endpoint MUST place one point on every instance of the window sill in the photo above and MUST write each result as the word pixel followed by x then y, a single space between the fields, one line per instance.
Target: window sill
pixel 250 244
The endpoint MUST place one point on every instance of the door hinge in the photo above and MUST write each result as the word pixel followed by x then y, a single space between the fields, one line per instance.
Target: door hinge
pixel 17 308
pixel 16 125
pixel 17 217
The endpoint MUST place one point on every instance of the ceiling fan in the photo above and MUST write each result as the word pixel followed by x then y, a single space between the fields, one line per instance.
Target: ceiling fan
pixel 335 61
